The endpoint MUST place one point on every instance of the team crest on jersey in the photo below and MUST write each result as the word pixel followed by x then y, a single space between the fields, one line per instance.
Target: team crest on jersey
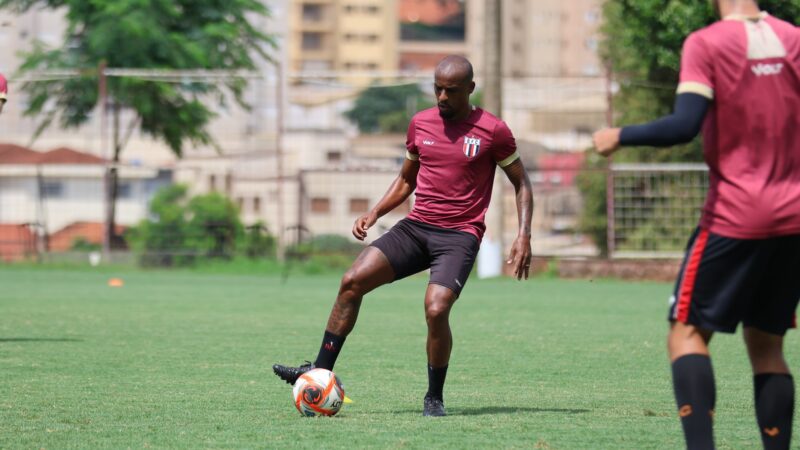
pixel 471 146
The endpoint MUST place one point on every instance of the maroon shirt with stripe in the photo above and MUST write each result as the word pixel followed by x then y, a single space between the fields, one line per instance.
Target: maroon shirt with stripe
pixel 457 167
pixel 750 68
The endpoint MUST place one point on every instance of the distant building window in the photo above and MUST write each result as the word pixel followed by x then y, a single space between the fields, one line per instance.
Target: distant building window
pixel 228 183
pixel 372 9
pixel 591 43
pixel 240 203
pixel 312 41
pixel 359 205
pixel 350 8
pixel 125 190
pixel 334 156
pixel 53 189
pixel 256 205
pixel 350 37
pixel 321 205
pixel 371 66
pixel 212 183
pixel 312 12
pixel 371 37
pixel 591 16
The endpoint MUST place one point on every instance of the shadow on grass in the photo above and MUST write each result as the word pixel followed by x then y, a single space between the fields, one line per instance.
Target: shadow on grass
pixel 512 410
pixel 22 339
pixel 493 410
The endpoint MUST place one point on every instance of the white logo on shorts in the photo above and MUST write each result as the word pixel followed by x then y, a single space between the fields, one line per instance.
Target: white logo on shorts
pixel 672 300
pixel 458 283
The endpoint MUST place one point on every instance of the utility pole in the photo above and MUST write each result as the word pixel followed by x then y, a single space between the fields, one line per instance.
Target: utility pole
pixel 102 89
pixel 493 101
pixel 279 156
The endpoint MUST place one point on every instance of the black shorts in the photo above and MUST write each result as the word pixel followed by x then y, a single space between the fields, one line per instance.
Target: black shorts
pixel 412 247
pixel 724 281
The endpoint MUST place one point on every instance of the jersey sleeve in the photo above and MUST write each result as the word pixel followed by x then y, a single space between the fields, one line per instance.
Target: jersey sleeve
pixel 3 88
pixel 504 147
pixel 412 152
pixel 697 72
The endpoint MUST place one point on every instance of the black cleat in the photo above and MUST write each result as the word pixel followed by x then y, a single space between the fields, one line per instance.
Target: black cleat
pixel 291 374
pixel 433 407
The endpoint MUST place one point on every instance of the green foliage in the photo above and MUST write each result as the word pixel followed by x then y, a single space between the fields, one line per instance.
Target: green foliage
pixel 214 226
pixel 258 243
pixel 592 184
pixel 181 229
pixel 387 109
pixel 160 239
pixel 80 244
pixel 147 34
pixel 642 45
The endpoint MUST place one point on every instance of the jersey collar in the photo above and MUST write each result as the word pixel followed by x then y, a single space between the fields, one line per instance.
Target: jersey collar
pixel 743 18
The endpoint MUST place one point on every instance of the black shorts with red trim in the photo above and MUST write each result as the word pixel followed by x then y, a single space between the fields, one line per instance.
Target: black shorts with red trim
pixel 725 281
pixel 412 247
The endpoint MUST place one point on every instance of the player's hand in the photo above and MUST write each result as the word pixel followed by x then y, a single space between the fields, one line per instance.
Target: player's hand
pixel 363 224
pixel 520 257
pixel 606 141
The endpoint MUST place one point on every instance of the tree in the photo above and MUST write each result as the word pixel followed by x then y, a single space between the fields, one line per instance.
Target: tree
pixel 387 109
pixel 154 34
pixel 642 46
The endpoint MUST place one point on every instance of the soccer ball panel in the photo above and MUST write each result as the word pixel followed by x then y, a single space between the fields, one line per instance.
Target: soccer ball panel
pixel 318 392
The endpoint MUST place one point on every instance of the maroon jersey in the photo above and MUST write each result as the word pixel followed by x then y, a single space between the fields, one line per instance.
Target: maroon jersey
pixel 457 166
pixel 750 68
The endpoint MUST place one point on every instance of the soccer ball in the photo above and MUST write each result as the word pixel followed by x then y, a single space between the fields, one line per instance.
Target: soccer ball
pixel 318 392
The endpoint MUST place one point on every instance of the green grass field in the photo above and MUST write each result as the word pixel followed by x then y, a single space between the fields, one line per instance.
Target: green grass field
pixel 182 360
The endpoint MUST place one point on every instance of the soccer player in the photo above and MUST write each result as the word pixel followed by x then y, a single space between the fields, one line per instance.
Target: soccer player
pixel 452 152
pixel 3 92
pixel 739 82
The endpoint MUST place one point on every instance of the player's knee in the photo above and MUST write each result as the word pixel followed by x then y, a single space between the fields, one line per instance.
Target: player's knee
pixel 351 283
pixel 437 310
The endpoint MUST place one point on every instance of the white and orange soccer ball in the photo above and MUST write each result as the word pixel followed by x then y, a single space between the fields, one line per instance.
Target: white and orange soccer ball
pixel 318 392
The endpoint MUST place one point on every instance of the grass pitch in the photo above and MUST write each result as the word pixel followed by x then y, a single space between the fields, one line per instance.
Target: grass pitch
pixel 182 360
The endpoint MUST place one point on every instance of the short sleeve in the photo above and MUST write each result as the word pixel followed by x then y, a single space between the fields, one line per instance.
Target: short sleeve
pixel 412 152
pixel 504 147
pixel 697 72
pixel 3 88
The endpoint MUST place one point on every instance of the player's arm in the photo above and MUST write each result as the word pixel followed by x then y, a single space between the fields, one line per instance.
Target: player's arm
pixel 398 192
pixel 3 91
pixel 679 127
pixel 520 255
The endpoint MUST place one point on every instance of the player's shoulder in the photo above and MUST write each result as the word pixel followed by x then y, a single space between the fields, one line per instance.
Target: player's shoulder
pixel 487 119
pixel 426 115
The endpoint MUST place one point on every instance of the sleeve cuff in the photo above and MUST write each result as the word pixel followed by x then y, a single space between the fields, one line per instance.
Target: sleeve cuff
pixel 513 157
pixel 693 87
pixel 411 156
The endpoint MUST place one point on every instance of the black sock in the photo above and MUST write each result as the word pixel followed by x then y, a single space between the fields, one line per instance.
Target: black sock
pixel 436 378
pixel 329 351
pixel 695 393
pixel 774 408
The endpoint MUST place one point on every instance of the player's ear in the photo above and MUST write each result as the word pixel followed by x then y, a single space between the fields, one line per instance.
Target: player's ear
pixel 471 87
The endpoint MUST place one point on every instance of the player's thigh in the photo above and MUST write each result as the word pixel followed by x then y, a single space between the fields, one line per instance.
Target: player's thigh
pixel 453 255
pixel 718 280
pixel 404 250
pixel 773 308
pixel 370 270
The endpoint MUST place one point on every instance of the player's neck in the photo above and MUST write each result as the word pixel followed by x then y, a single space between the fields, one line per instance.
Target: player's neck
pixel 462 115
pixel 746 8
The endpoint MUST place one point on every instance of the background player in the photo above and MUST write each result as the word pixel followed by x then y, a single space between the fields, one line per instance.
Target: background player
pixel 452 152
pixel 3 92
pixel 740 75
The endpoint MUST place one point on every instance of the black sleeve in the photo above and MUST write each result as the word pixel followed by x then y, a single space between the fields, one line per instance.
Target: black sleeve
pixel 678 128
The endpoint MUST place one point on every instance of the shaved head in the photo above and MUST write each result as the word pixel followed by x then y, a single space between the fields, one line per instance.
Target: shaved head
pixel 455 67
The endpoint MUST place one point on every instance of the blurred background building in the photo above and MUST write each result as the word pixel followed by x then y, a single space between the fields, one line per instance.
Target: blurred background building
pixel 294 159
